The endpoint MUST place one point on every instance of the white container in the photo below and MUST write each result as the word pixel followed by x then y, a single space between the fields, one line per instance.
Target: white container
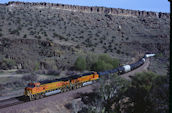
pixel 143 59
pixel 127 68
pixel 149 55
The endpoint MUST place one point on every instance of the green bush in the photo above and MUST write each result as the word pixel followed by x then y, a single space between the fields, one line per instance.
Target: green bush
pixel 149 92
pixel 115 62
pixel 106 58
pixel 102 66
pixel 36 67
pixel 144 80
pixel 80 63
pixel 105 62
pixel 91 59
pixel 95 62
pixel 105 96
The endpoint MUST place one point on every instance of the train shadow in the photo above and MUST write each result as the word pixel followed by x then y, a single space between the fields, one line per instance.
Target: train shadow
pixel 22 98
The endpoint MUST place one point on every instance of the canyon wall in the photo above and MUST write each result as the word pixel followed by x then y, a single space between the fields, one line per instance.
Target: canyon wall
pixel 113 11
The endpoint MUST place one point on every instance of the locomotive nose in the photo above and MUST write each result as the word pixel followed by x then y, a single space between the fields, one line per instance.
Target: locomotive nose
pixel 27 91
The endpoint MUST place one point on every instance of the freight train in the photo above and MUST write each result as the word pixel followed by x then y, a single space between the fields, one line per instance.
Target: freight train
pixel 49 87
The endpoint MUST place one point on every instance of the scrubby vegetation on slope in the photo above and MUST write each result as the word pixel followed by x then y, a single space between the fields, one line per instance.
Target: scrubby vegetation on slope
pixel 53 38
pixel 146 93
pixel 94 62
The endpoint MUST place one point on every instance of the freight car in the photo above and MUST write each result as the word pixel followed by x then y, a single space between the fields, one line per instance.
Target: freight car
pixel 45 88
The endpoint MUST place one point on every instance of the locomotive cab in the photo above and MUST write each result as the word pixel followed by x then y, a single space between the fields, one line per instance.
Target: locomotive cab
pixel 29 90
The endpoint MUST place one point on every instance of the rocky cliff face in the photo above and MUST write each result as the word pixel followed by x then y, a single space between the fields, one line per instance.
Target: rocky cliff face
pixel 113 11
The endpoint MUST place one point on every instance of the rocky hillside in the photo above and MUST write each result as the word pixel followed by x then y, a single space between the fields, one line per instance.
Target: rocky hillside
pixel 50 36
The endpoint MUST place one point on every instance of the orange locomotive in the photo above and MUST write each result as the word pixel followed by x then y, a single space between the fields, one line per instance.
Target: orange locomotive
pixel 49 87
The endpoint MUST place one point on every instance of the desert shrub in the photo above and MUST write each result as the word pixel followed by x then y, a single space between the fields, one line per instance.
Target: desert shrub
pixel 105 62
pixel 32 32
pixel 115 62
pixel 48 64
pixel 144 80
pixel 149 92
pixel 16 31
pixel 38 37
pixel 113 37
pixel 45 33
pixel 37 66
pixel 71 72
pixel 25 36
pixel 48 39
pixel 91 59
pixel 101 66
pixel 159 94
pixel 30 77
pixel 17 83
pixel 106 58
pixel 102 100
pixel 59 36
pixel 118 51
pixel 53 72
pixel 80 63
pixel 7 63
pixel 95 62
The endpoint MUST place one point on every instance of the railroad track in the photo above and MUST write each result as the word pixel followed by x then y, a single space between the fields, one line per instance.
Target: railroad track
pixel 21 99
pixel 11 101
